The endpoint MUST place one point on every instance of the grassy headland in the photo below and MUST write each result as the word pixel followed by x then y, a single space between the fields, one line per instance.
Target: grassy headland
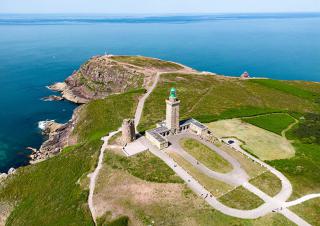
pixel 54 192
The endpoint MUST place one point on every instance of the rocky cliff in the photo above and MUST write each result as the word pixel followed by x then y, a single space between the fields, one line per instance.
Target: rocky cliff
pixel 59 136
pixel 97 78
pixel 102 76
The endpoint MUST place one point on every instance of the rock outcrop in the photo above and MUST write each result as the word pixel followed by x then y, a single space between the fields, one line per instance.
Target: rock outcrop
pixel 52 98
pixel 100 77
pixel 59 136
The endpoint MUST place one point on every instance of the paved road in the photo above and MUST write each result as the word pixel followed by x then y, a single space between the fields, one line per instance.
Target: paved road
pixel 286 189
pixel 201 191
pixel 236 177
pixel 271 203
pixel 302 199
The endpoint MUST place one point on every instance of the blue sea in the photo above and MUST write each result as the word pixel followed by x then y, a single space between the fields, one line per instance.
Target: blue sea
pixel 38 50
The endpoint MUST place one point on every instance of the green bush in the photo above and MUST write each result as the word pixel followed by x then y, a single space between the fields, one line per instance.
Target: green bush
pixel 309 128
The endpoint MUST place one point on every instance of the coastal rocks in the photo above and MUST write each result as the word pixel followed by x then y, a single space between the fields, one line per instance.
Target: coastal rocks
pixel 49 126
pixel 59 136
pixel 59 86
pixel 52 98
pixel 66 93
pixel 11 171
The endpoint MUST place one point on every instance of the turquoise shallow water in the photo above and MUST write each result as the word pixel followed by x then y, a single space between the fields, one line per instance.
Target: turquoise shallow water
pixel 35 53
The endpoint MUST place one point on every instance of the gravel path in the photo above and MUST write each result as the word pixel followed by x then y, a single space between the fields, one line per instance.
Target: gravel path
pixel 93 176
pixel 139 110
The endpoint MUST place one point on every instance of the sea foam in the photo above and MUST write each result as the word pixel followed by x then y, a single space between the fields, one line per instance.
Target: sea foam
pixel 42 124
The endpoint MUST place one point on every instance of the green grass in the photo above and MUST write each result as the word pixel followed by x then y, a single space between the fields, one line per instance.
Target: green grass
pixel 51 192
pixel 303 170
pixel 215 187
pixel 209 98
pixel 215 218
pixel 206 156
pixel 145 166
pixel 264 144
pixel 287 87
pixel 275 123
pixel 241 198
pixel 147 62
pixel 48 193
pixel 252 168
pixel 100 114
pixel 248 111
pixel 309 211
pixel 268 183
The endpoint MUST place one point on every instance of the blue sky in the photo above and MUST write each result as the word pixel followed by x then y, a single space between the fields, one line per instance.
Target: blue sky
pixel 157 6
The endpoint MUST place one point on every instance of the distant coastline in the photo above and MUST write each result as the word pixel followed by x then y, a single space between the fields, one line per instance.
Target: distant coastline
pixel 46 19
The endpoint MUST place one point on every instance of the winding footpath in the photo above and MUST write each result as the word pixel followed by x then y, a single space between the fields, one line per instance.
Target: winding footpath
pixel 93 176
pixel 139 110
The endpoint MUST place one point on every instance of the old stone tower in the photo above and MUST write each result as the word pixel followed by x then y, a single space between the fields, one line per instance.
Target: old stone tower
pixel 128 131
pixel 172 112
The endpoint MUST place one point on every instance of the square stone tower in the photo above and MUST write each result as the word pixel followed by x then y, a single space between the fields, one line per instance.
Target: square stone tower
pixel 172 112
pixel 128 131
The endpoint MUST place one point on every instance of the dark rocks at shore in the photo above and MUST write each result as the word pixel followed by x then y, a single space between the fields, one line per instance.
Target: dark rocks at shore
pixel 59 136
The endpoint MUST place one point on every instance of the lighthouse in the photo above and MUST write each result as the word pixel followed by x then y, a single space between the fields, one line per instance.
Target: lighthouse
pixel 172 112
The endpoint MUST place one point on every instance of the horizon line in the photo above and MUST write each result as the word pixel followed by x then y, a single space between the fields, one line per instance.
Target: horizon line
pixel 170 13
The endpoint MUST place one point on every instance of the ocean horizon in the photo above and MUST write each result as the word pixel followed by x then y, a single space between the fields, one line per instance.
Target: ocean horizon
pixel 37 50
pixel 74 18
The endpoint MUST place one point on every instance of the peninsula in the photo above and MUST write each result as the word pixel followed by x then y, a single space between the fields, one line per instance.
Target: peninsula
pixel 158 143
